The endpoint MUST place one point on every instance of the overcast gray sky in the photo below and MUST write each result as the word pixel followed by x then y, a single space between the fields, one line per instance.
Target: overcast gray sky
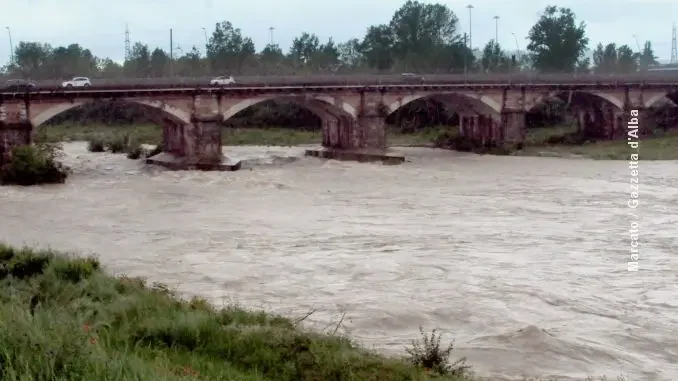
pixel 100 26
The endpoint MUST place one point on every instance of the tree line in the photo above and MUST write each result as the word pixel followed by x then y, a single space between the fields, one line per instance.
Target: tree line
pixel 420 37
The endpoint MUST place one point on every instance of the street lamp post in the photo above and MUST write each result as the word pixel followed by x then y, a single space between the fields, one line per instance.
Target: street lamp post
pixel 11 46
pixel 496 29
pixel 517 46
pixel 640 51
pixel 270 32
pixel 470 32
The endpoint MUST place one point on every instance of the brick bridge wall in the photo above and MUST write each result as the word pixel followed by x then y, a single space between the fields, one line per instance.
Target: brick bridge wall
pixel 351 119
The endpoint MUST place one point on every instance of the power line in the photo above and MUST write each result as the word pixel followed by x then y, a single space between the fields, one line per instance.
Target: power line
pixel 128 49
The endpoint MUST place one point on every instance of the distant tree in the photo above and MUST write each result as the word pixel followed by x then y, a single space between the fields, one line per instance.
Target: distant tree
pixel 139 62
pixel 557 42
pixel 627 60
pixel 160 62
pixel 377 47
pixel 303 49
pixel 350 55
pixel 32 59
pixel 228 50
pixel 421 32
pixel 647 57
pixel 605 58
pixel 494 60
pixel 583 65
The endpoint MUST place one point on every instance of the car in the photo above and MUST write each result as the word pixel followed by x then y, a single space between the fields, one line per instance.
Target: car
pixel 77 82
pixel 19 85
pixel 412 78
pixel 222 81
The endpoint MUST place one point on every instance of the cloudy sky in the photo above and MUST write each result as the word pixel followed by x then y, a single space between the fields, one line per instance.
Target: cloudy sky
pixel 100 26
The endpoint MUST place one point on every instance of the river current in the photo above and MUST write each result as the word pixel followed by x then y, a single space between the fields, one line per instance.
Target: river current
pixel 523 261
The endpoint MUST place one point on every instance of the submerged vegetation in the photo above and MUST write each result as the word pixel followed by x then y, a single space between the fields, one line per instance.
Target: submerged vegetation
pixel 33 164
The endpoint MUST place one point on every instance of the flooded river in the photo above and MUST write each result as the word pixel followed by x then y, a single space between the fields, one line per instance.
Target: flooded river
pixel 521 260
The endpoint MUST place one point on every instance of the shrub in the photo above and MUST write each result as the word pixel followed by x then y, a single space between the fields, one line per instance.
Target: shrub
pixel 428 354
pixel 96 144
pixel 118 144
pixel 33 164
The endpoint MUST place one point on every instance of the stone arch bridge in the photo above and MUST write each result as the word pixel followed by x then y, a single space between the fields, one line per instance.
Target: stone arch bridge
pixel 352 115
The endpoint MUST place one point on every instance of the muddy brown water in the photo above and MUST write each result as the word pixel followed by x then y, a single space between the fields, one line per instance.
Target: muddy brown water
pixel 521 260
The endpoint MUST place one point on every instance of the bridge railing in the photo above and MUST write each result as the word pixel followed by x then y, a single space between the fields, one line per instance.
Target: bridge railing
pixel 385 79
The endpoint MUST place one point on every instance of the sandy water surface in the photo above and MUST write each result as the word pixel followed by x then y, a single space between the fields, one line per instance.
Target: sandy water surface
pixel 521 260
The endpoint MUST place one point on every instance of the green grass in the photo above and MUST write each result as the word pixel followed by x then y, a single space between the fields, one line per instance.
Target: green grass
pixel 62 318
pixel 661 146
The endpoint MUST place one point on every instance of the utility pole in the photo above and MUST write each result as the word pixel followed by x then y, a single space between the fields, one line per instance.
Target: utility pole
pixel 171 53
pixel 204 31
pixel 674 50
pixel 465 56
pixel 270 31
pixel 470 29
pixel 11 46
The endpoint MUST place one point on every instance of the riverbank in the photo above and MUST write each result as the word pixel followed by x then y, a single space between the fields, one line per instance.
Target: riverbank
pixel 662 146
pixel 63 318
pixel 265 136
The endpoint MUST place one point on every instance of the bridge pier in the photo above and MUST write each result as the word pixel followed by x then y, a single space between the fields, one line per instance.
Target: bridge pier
pixel 194 146
pixel 13 135
pixel 512 126
pixel 361 139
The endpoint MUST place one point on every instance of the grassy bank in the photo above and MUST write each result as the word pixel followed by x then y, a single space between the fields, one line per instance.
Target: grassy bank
pixel 64 319
pixel 273 136
pixel 660 146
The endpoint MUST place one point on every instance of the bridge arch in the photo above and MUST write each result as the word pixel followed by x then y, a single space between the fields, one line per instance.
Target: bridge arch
pixel 322 106
pixel 170 112
pixel 480 103
pixel 576 97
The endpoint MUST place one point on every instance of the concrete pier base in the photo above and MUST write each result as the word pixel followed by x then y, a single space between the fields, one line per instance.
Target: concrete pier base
pixel 183 163
pixel 359 155
pixel 194 146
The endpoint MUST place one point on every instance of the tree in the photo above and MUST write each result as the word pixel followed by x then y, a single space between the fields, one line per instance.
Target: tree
pixel 647 57
pixel 556 41
pixel 627 60
pixel 31 59
pixel 228 50
pixel 377 47
pixel 421 32
pixel 139 62
pixel 605 58
pixel 494 60
pixel 350 55
pixel 327 56
pixel 303 49
pixel 160 62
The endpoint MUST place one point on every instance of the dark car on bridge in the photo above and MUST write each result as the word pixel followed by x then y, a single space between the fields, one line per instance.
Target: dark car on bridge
pixel 19 85
pixel 412 78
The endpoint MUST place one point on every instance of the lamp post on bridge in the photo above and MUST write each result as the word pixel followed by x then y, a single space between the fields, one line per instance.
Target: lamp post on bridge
pixel 470 29
pixel 11 46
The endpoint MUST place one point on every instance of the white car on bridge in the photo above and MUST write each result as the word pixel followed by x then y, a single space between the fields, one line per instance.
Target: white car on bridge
pixel 222 81
pixel 77 82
